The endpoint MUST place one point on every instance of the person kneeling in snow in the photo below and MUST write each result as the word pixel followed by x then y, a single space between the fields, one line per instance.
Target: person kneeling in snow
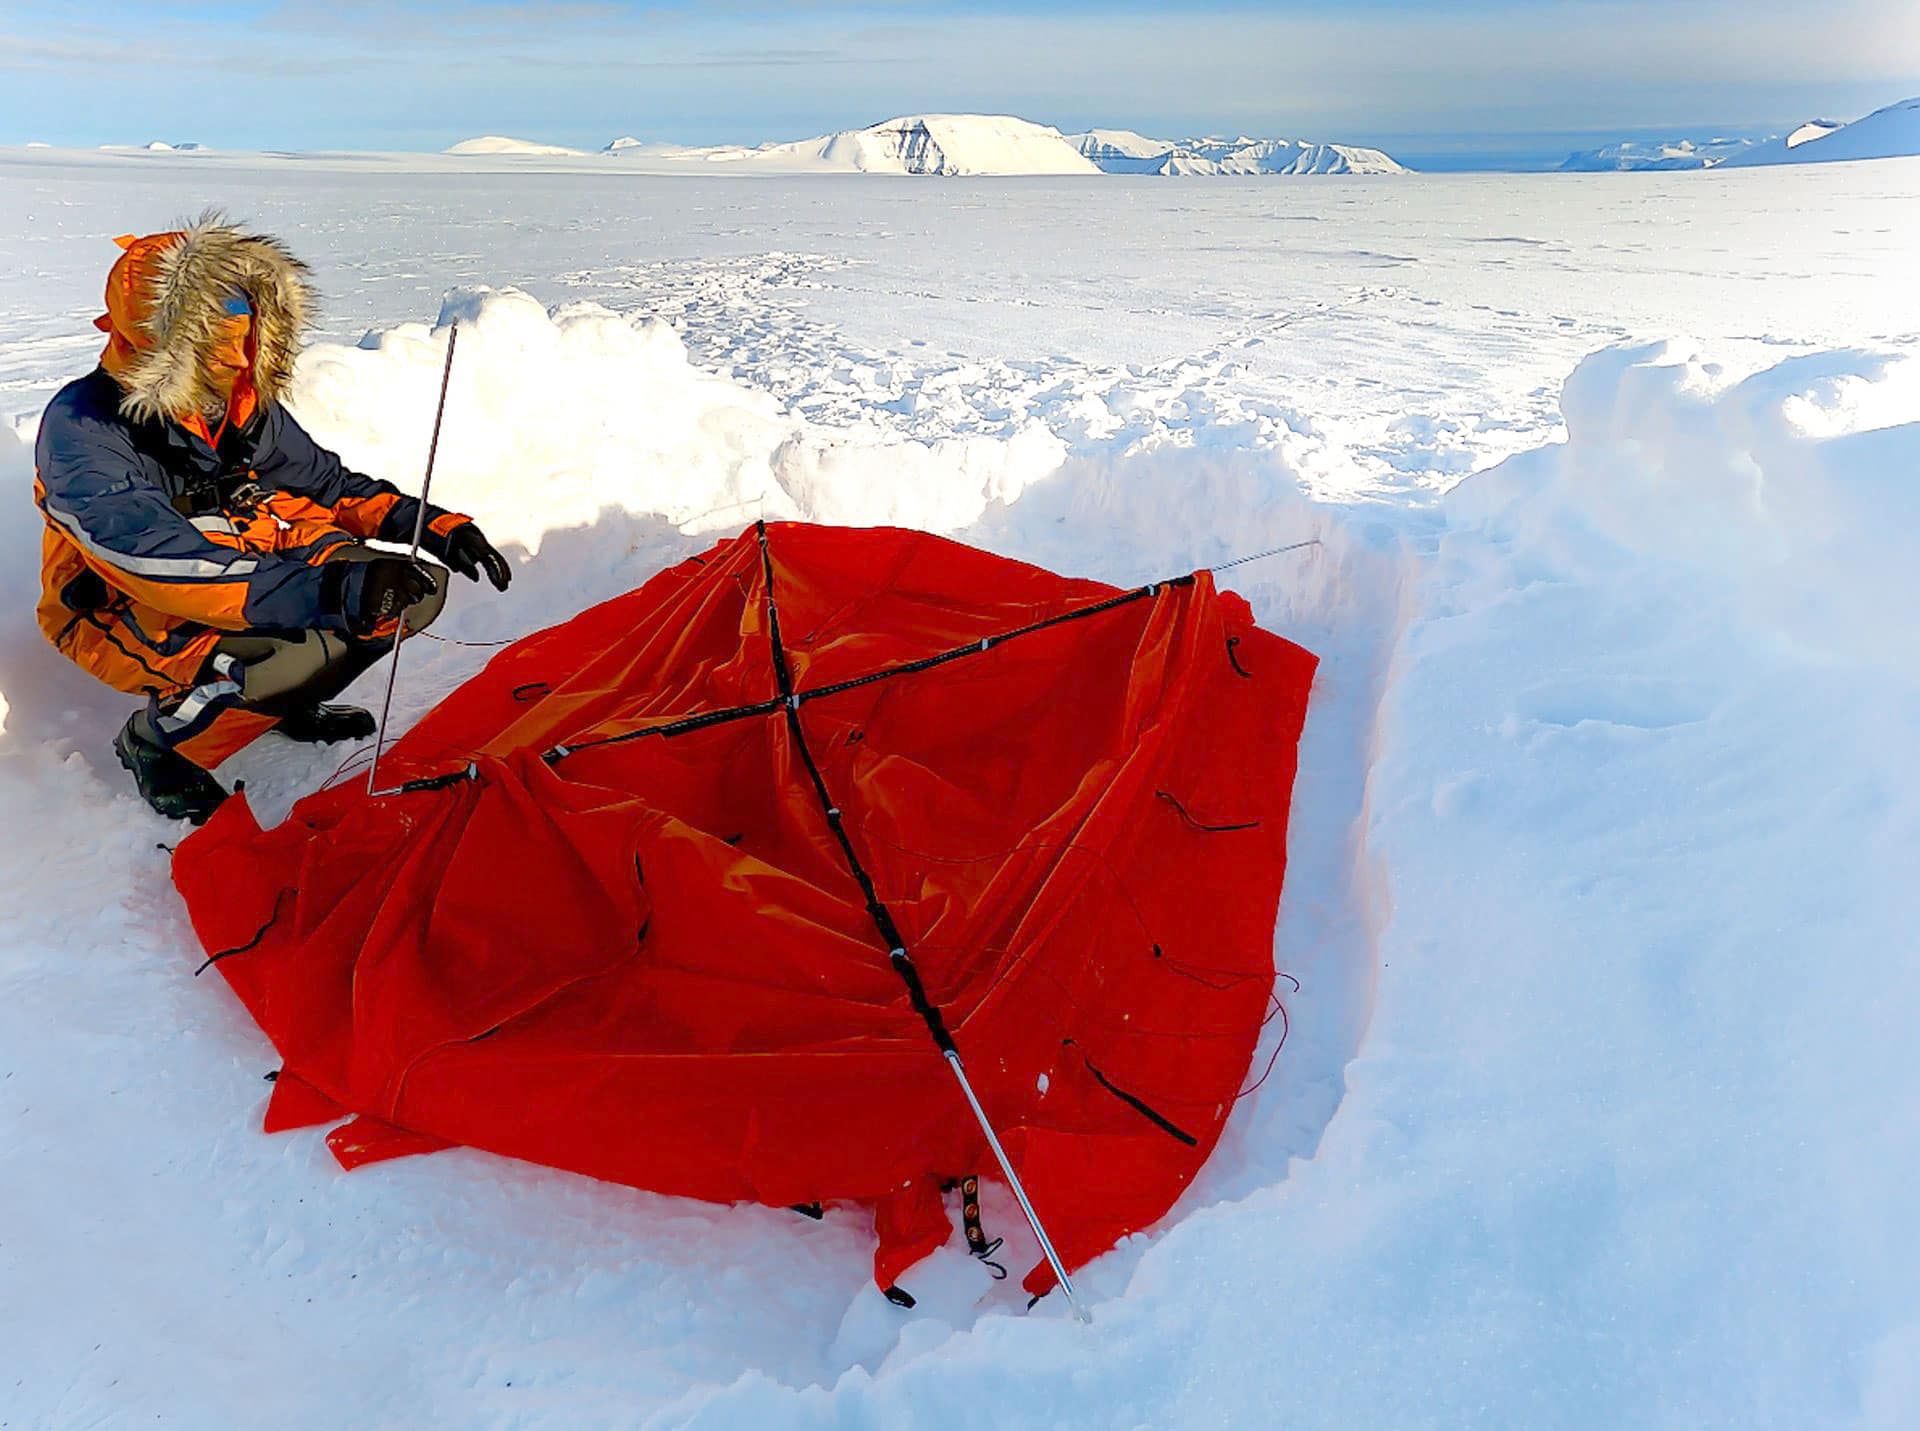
pixel 201 549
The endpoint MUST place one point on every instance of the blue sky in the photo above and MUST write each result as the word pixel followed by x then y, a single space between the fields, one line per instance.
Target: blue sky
pixel 1415 77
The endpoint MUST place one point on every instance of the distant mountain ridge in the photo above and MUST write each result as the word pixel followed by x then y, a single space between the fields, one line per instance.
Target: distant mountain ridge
pixel 944 144
pixel 967 145
pixel 1634 154
pixel 1891 132
pixel 1122 151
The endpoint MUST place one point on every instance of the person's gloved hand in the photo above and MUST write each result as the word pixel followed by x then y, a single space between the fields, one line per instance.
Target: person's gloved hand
pixel 467 550
pixel 377 591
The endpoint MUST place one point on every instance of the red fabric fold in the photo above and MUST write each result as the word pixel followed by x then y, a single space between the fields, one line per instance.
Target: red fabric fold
pixel 369 1140
pixel 296 1103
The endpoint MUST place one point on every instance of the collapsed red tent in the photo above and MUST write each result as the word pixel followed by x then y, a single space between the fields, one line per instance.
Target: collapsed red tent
pixel 668 880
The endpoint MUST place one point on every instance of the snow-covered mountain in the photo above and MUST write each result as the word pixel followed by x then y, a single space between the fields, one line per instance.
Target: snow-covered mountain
pixel 1659 154
pixel 948 144
pixel 501 144
pixel 1813 129
pixel 1121 151
pixel 153 146
pixel 1889 133
pixel 1892 132
pixel 942 144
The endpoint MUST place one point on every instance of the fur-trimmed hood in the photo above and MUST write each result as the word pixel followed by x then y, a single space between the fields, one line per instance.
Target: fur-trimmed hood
pixel 166 311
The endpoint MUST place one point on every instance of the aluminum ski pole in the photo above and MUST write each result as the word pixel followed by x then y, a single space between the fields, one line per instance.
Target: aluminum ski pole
pixel 413 553
pixel 1019 1191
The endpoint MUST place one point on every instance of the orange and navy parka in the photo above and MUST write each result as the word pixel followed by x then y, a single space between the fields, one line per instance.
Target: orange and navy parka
pixel 157 541
pixel 162 533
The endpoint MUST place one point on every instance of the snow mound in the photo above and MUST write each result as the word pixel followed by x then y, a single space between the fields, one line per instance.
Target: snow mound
pixel 500 144
pixel 1789 493
pixel 576 425
pixel 625 141
pixel 1121 151
pixel 557 415
pixel 1889 133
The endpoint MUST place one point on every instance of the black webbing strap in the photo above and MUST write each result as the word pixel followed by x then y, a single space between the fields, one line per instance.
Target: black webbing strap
pixel 987 643
pixel 977 1243
pixel 1137 1104
pixel 261 933
pixel 439 782
pixel 876 910
pixel 681 726
pixel 1205 827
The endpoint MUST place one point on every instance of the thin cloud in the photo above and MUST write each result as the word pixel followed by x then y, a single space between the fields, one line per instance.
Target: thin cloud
pixel 747 71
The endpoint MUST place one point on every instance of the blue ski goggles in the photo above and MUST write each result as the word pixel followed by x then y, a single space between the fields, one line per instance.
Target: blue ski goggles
pixel 238 305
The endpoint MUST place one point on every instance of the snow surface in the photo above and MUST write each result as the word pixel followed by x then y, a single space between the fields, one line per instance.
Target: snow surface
pixel 1598 1105
pixel 1889 133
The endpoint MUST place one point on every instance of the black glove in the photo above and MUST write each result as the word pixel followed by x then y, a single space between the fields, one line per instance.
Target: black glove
pixel 467 550
pixel 376 591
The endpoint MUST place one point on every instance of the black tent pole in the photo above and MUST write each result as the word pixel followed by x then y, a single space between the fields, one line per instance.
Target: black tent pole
pixel 897 953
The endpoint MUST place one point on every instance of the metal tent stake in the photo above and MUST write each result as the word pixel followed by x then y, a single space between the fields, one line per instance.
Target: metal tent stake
pixel 413 553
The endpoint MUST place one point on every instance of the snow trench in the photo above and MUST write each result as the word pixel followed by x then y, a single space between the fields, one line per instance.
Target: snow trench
pixel 1606 796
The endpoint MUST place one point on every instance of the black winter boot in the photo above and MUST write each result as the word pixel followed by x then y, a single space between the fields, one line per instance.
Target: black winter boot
pixel 318 724
pixel 167 780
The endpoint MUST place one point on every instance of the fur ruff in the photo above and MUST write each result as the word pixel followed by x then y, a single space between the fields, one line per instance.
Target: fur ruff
pixel 186 309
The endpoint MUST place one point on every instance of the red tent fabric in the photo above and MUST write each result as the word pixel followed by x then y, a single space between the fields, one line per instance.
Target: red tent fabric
pixel 612 928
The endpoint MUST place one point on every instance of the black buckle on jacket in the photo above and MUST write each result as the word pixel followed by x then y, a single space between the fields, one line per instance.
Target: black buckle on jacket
pixel 199 498
pixel 243 499
pixel 231 493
